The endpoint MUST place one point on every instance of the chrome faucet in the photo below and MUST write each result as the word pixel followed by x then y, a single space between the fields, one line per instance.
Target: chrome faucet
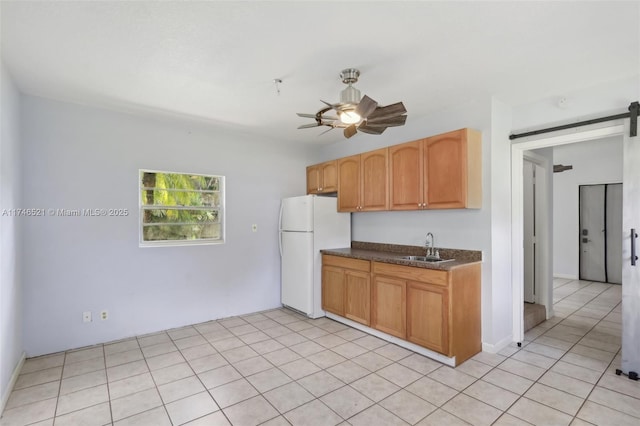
pixel 430 246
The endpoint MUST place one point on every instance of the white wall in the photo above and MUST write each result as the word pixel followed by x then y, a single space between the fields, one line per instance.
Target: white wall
pixel 10 280
pixel 611 98
pixel 593 162
pixel 80 157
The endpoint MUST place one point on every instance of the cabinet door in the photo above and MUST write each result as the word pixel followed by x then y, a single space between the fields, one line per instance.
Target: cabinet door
pixel 358 296
pixel 428 316
pixel 445 160
pixel 313 179
pixel 405 176
pixel 349 184
pixel 333 289
pixel 375 180
pixel 329 175
pixel 389 306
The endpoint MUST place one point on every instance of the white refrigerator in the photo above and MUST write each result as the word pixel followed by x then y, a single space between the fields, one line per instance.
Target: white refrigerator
pixel 308 224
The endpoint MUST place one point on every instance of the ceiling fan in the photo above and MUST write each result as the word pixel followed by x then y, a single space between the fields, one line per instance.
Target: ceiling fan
pixel 355 113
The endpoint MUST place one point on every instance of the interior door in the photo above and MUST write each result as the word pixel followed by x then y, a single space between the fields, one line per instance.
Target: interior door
pixel 601 233
pixel 592 233
pixel 529 218
pixel 630 266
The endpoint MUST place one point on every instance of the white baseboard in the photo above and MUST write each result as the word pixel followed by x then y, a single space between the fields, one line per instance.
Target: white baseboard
pixel 12 382
pixel 565 276
pixel 551 313
pixel 451 362
pixel 497 347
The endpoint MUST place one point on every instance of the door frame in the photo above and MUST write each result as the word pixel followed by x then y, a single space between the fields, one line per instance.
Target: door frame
pixel 518 148
pixel 542 207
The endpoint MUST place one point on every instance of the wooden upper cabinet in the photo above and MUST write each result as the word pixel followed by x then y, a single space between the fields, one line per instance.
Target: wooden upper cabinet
pixel 329 174
pixel 322 178
pixel 363 182
pixel 440 172
pixel 313 179
pixel 374 191
pixel 405 176
pixel 453 170
pixel 349 184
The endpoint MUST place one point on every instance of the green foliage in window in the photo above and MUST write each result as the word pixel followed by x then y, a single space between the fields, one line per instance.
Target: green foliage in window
pixel 178 206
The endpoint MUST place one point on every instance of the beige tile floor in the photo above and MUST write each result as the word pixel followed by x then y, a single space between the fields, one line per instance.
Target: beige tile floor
pixel 279 368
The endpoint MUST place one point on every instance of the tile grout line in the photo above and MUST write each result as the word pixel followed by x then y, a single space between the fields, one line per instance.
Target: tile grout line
pixel 104 354
pixel 546 369
pixel 575 312
pixel 559 359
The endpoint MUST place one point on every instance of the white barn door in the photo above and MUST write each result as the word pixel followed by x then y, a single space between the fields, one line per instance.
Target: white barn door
pixel 630 273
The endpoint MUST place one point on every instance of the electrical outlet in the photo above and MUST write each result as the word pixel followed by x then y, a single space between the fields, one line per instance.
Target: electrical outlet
pixel 104 315
pixel 86 316
pixel 254 227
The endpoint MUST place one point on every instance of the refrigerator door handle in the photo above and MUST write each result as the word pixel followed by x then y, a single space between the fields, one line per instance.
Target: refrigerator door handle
pixel 634 257
pixel 280 231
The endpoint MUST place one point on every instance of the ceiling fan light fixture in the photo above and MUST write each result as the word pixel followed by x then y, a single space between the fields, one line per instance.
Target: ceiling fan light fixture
pixel 356 112
pixel 349 116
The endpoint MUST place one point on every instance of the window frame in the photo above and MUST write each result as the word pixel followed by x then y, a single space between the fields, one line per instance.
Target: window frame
pixel 175 243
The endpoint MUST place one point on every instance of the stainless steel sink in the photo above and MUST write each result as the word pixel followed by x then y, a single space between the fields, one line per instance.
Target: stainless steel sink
pixel 429 259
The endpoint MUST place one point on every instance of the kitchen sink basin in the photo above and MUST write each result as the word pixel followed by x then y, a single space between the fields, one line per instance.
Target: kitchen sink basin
pixel 429 259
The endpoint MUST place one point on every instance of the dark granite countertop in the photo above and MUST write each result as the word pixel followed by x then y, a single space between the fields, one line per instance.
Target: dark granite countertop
pixel 393 253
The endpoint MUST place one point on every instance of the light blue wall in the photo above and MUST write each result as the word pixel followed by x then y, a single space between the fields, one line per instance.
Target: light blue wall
pixel 11 343
pixel 80 157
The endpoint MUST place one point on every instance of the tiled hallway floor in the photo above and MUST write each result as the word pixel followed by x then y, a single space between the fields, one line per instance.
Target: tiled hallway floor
pixel 278 368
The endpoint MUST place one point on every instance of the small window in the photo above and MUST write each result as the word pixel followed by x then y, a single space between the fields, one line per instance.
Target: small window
pixel 181 208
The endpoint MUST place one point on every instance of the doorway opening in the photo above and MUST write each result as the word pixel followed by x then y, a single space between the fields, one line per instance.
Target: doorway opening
pixel 535 310
pixel 544 238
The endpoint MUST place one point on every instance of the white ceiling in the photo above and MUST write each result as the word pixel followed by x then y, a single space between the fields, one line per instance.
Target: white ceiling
pixel 216 61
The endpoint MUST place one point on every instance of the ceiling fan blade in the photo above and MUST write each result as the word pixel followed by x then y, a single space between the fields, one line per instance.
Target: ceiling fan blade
pixel 309 126
pixel 300 114
pixel 350 131
pixel 387 111
pixel 332 106
pixel 328 130
pixel 366 106
pixel 398 120
pixel 371 130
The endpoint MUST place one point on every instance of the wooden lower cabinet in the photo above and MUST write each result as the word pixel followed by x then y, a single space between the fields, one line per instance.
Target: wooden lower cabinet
pixel 389 306
pixel 333 289
pixel 436 309
pixel 358 296
pixel 346 288
pixel 428 316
